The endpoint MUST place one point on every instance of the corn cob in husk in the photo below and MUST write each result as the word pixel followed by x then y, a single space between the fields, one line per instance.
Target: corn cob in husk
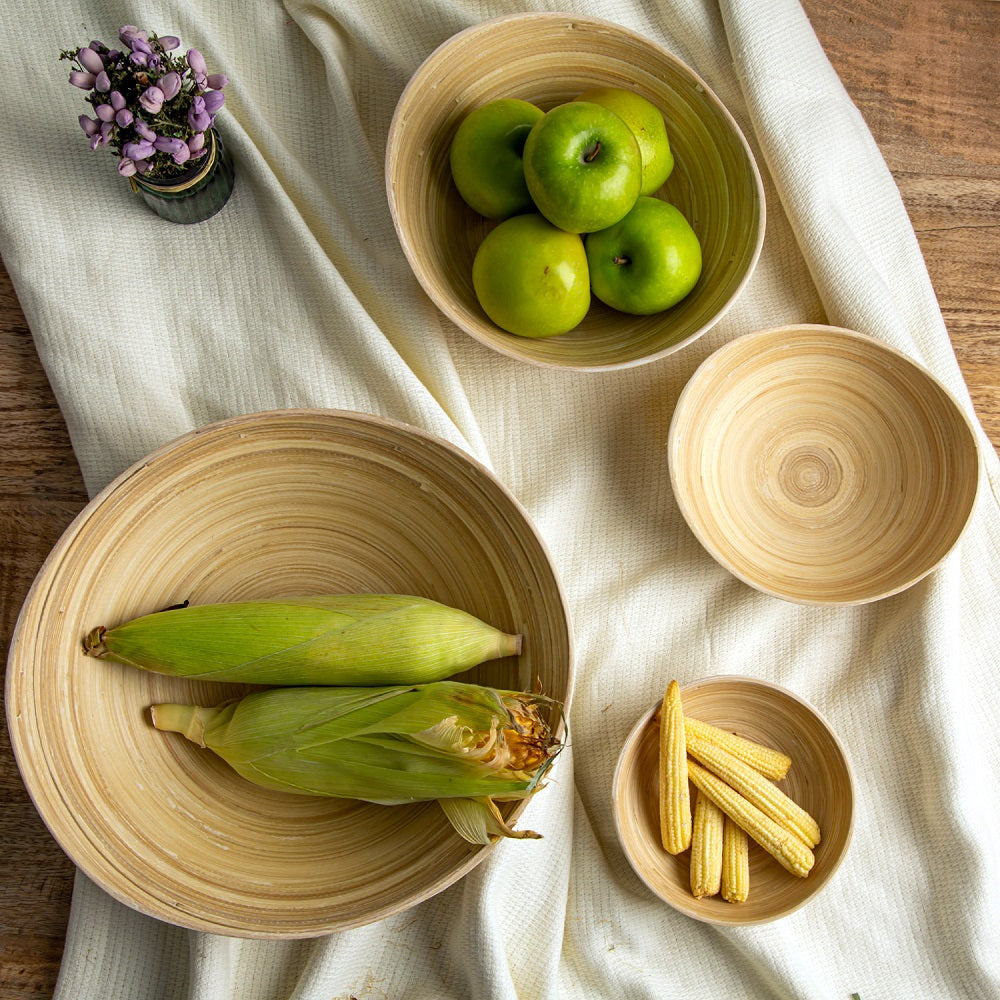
pixel 465 745
pixel 344 639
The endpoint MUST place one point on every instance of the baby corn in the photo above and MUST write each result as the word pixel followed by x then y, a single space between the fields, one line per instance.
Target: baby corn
pixel 706 847
pixel 343 639
pixel 764 794
pixel 771 763
pixel 787 849
pixel 735 863
pixel 390 745
pixel 675 796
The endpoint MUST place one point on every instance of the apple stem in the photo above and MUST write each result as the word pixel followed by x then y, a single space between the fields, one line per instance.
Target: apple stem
pixel 592 154
pixel 621 260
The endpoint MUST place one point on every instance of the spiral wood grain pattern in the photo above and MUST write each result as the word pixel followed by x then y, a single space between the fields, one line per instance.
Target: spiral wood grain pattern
pixel 549 59
pixel 278 503
pixel 819 780
pixel 821 466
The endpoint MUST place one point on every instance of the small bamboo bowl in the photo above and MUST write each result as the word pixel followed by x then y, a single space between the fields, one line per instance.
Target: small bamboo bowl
pixel 822 466
pixel 819 780
pixel 282 503
pixel 548 59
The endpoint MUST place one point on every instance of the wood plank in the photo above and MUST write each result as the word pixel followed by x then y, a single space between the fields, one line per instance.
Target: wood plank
pixel 925 77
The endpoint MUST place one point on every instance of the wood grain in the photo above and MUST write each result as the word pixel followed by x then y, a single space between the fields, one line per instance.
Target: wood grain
pixel 925 77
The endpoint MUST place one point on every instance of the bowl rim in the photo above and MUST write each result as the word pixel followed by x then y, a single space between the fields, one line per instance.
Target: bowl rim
pixel 737 343
pixel 617 786
pixel 36 774
pixel 509 347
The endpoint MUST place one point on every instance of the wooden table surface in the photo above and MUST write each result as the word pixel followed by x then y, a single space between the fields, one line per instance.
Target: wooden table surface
pixel 925 77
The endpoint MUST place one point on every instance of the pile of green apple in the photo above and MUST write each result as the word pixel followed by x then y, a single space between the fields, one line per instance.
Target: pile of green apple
pixel 574 190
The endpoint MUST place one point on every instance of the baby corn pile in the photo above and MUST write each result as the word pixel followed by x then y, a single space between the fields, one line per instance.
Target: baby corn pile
pixel 736 800
pixel 361 706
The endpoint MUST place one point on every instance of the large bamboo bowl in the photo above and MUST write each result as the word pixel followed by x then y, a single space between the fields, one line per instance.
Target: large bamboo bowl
pixel 548 59
pixel 822 466
pixel 820 780
pixel 278 503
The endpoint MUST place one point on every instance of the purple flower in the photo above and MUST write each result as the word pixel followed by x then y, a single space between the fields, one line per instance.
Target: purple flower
pixel 198 68
pixel 138 150
pixel 214 100
pixel 196 61
pixel 197 145
pixel 101 136
pixel 173 93
pixel 151 99
pixel 198 117
pixel 90 61
pixel 144 130
pixel 177 148
pixel 130 31
pixel 170 85
pixel 85 81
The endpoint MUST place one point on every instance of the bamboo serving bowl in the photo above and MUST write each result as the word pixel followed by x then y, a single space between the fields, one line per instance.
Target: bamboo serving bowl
pixel 548 59
pixel 820 780
pixel 822 466
pixel 283 503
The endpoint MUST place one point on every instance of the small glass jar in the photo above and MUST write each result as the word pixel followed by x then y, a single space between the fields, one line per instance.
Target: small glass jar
pixel 197 193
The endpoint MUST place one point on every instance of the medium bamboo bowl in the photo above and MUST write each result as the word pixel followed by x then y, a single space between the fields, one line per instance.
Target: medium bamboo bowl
pixel 548 59
pixel 822 466
pixel 820 780
pixel 272 504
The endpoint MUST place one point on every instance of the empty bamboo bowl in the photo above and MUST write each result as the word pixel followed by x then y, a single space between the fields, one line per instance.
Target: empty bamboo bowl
pixel 272 504
pixel 822 466
pixel 820 781
pixel 548 59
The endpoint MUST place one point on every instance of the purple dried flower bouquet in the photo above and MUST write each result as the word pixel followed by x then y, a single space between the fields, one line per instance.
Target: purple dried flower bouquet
pixel 151 108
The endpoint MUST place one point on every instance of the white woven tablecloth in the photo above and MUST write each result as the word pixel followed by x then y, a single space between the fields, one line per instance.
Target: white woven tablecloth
pixel 298 294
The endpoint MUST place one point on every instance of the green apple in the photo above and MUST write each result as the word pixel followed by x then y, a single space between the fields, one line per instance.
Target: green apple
pixel 647 262
pixel 485 157
pixel 531 278
pixel 582 166
pixel 647 125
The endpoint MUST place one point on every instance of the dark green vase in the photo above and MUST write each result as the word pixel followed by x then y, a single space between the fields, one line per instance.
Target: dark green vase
pixel 196 194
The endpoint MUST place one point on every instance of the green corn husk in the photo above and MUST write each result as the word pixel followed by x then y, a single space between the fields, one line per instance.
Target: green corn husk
pixel 465 745
pixel 344 639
